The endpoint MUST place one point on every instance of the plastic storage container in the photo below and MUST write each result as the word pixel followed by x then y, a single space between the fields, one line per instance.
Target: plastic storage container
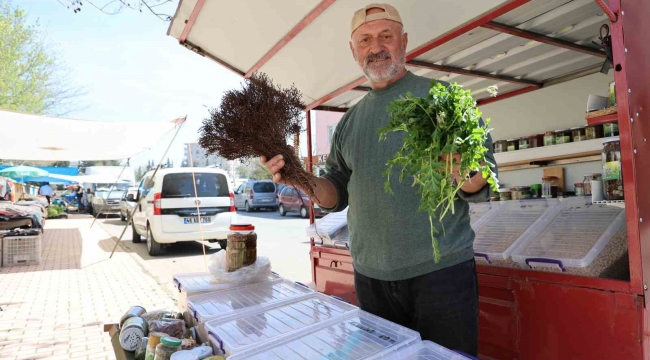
pixel 562 136
pixel 578 134
pixel 21 250
pixel 520 192
pixel 168 345
pixel 192 284
pixel 593 132
pixel 233 334
pixel 524 143
pixel 499 233
pixel 219 304
pixel 505 194
pixel 513 144
pixel 570 237
pixel 536 140
pixel 358 335
pixel 328 227
pixel 579 189
pixel 501 146
pixel 242 246
pixel 549 138
pixel 550 189
pixel 612 170
pixel 478 210
pixel 427 350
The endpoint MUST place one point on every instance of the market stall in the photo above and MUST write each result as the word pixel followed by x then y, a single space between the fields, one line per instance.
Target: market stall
pixel 563 274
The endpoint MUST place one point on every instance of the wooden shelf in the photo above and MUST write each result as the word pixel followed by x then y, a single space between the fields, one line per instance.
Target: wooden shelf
pixel 562 154
pixel 605 119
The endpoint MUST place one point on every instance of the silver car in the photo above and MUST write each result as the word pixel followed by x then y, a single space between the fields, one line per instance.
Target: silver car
pixel 127 203
pixel 257 194
pixel 106 201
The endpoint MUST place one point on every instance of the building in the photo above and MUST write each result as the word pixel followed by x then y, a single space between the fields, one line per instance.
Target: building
pixel 324 124
pixel 198 158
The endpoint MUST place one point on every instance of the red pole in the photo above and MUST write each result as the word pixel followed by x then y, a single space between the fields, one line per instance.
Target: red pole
pixel 310 163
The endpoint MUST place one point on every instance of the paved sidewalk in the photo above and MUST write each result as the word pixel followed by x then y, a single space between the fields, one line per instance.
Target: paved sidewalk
pixel 56 310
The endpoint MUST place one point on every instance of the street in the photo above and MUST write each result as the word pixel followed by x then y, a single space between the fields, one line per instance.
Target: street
pixel 281 239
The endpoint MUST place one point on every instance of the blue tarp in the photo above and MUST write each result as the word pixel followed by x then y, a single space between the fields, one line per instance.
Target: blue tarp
pixel 70 171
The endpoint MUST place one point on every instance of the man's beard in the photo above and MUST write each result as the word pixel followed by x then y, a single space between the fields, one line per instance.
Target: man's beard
pixel 384 72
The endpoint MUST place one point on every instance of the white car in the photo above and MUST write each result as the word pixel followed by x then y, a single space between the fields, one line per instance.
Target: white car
pixel 170 211
pixel 127 202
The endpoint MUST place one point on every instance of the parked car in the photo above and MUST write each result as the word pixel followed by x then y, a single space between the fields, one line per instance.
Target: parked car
pixel 106 201
pixel 256 194
pixel 171 210
pixel 127 202
pixel 295 200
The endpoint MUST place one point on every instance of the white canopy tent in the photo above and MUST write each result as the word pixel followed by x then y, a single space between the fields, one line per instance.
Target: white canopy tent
pixel 35 137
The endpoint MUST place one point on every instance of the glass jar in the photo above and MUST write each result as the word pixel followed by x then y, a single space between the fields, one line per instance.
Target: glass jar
pixel 513 144
pixel 520 192
pixel 611 100
pixel 501 146
pixel 154 340
pixel 578 134
pixel 562 136
pixel 524 143
pixel 536 140
pixel 612 172
pixel 594 132
pixel 549 138
pixel 536 191
pixel 610 129
pixel 549 187
pixel 168 345
pixel 505 194
pixel 586 184
pixel 241 249
pixel 579 189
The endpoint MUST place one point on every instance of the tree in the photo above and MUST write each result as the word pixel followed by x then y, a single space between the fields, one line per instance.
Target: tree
pixel 32 79
pixel 114 7
pixel 254 170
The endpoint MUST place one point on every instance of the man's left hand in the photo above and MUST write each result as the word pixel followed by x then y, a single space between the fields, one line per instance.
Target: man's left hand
pixel 472 184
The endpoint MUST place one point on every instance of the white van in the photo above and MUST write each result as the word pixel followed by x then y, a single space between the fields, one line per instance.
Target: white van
pixel 168 214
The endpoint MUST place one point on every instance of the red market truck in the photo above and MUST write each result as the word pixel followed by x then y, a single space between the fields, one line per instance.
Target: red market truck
pixel 570 280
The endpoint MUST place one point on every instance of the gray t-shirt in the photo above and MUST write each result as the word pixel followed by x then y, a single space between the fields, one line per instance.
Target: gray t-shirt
pixel 390 238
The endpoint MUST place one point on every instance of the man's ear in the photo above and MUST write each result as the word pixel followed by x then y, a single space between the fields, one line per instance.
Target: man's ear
pixel 405 41
pixel 354 53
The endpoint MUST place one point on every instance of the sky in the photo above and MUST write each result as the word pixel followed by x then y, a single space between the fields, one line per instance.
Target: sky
pixel 130 70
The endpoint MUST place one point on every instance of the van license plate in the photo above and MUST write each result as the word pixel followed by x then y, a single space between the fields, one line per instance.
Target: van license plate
pixel 195 220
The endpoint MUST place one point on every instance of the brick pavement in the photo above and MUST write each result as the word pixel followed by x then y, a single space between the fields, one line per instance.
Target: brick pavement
pixel 56 310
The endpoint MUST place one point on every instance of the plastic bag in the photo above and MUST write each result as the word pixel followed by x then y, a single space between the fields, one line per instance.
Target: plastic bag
pixel 257 272
pixel 159 315
pixel 174 328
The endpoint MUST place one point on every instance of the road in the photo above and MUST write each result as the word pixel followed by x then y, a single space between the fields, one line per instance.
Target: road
pixel 281 239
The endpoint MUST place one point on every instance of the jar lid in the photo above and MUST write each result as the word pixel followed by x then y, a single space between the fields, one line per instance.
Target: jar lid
pixel 504 190
pixel 185 355
pixel 536 186
pixel 549 178
pixel 612 139
pixel 579 184
pixel 511 139
pixel 170 341
pixel 548 133
pixel 242 227
pixel 557 131
pixel 520 188
pixel 578 127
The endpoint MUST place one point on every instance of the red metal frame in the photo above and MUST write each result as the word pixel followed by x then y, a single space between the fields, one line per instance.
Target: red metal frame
pixel 605 119
pixel 322 6
pixel 506 95
pixel 190 22
pixel 473 24
pixel 310 161
pixel 479 74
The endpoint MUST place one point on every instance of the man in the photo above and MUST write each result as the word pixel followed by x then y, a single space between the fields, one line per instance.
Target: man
pixel 395 274
pixel 80 198
pixel 46 190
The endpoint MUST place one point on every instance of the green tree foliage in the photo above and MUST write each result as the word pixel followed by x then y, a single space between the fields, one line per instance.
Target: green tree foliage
pixel 32 79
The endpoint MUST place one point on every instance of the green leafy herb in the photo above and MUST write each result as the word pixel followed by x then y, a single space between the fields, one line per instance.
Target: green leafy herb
pixel 444 123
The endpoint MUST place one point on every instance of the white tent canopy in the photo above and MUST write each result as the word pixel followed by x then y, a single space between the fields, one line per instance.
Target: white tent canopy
pixel 34 137
pixel 90 179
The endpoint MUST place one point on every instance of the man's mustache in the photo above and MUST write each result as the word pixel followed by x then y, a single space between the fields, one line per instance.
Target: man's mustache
pixel 383 55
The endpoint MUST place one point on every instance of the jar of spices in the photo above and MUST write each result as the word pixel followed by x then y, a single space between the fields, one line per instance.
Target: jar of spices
pixel 501 146
pixel 535 140
pixel 536 191
pixel 154 340
pixel 549 187
pixel 241 249
pixel 586 184
pixel 612 172
pixel 513 144
pixel 578 134
pixel 520 192
pixel 505 194
pixel 562 136
pixel 524 143
pixel 593 132
pixel 610 129
pixel 579 189
pixel 168 345
pixel 549 138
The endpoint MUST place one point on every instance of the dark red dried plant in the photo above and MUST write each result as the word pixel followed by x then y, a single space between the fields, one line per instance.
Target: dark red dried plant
pixel 257 120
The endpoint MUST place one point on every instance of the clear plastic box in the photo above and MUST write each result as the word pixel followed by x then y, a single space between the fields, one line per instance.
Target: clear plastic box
pixel 21 250
pixel 243 299
pixel 327 228
pixel 571 237
pixel 499 231
pixel 477 211
pixel 193 284
pixel 357 335
pixel 230 335
pixel 427 350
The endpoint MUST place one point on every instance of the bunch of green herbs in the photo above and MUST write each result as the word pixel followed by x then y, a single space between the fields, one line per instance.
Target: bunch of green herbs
pixel 444 123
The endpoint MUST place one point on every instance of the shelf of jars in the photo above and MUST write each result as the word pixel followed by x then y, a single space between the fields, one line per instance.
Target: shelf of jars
pixel 551 155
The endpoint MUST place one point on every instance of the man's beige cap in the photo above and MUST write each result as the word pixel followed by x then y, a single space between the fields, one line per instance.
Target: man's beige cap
pixel 361 17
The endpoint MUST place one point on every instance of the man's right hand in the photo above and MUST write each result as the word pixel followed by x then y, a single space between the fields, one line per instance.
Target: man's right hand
pixel 274 165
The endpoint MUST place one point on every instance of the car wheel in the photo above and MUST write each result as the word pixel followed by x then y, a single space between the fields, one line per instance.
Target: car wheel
pixel 304 212
pixel 248 207
pixel 136 237
pixel 153 246
pixel 283 212
pixel 223 244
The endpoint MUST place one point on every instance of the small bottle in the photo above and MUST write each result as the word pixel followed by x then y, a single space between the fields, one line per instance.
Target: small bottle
pixel 579 189
pixel 168 345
